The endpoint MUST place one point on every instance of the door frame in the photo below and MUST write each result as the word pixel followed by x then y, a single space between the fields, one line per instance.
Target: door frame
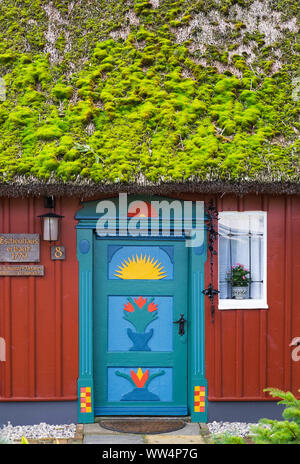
pixel 197 384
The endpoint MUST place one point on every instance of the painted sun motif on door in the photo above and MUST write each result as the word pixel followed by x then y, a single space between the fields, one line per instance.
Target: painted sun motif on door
pixel 140 262
pixel 141 267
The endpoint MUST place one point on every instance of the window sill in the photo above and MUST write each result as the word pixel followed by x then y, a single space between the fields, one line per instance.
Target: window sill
pixel 242 304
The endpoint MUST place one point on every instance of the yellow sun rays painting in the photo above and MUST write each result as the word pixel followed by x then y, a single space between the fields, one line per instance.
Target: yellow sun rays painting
pixel 140 267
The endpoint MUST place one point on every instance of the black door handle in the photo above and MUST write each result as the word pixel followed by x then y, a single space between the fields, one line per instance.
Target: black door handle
pixel 181 322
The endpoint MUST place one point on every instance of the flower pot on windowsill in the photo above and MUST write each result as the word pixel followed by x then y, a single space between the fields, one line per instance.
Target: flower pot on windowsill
pixel 239 293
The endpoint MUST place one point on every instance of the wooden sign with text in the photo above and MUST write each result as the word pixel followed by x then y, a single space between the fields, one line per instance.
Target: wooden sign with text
pixel 21 270
pixel 18 248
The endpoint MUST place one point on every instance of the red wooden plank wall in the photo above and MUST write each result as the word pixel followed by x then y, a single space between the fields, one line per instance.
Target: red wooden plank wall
pixel 39 315
pixel 248 350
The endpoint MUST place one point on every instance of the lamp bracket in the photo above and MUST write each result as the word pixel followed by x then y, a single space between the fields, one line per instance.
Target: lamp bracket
pixel 49 202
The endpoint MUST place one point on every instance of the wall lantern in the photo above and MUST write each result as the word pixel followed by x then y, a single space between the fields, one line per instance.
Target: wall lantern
pixel 50 222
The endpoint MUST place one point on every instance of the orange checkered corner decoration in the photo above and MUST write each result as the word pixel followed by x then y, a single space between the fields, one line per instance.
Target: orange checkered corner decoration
pixel 199 399
pixel 85 399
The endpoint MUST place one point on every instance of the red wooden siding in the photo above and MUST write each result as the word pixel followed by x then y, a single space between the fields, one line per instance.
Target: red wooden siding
pixel 248 350
pixel 39 315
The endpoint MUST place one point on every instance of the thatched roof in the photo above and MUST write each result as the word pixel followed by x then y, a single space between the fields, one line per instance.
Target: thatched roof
pixel 149 96
pixel 89 190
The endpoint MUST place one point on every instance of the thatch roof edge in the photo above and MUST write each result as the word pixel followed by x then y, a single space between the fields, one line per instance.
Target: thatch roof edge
pixel 88 190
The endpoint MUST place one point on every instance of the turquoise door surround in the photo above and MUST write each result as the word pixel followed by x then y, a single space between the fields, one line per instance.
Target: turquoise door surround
pixel 132 360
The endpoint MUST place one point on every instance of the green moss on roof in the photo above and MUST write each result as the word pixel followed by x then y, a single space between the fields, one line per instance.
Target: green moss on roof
pixel 109 92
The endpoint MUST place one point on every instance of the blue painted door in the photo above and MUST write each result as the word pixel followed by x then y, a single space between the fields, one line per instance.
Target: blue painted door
pixel 140 358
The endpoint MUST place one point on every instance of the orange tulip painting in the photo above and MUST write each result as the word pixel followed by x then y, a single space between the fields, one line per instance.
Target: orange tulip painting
pixel 152 307
pixel 140 312
pixel 140 378
pixel 128 307
pixel 140 381
pixel 140 301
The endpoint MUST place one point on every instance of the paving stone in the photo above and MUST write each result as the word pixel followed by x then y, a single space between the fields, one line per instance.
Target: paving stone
pixel 204 430
pixel 96 429
pixel 110 439
pixel 188 429
pixel 174 439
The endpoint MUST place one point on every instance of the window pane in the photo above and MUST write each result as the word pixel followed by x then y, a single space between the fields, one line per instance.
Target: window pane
pixel 225 291
pixel 236 222
pixel 240 250
pixel 224 265
pixel 241 241
pixel 224 261
pixel 256 224
pixel 256 290
pixel 256 258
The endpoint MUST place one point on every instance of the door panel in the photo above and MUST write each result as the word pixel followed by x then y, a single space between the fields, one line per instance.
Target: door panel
pixel 140 359
pixel 160 388
pixel 122 335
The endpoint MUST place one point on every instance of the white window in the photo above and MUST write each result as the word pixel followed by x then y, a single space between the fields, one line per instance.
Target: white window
pixel 242 260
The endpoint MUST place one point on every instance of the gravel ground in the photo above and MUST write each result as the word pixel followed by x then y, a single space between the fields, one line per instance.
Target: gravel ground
pixel 66 431
pixel 241 429
pixel 42 430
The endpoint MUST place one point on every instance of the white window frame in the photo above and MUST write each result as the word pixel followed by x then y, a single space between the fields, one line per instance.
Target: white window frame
pixel 251 303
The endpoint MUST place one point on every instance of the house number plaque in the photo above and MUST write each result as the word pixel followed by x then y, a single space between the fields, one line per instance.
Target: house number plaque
pixel 18 248
pixel 58 253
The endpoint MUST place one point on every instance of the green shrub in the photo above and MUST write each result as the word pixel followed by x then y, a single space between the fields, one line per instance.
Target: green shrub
pixel 269 431
pixel 227 439
pixel 280 432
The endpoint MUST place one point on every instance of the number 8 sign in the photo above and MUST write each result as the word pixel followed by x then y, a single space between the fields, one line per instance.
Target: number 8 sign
pixel 58 252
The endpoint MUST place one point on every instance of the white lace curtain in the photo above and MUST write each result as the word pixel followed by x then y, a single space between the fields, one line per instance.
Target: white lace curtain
pixel 242 240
